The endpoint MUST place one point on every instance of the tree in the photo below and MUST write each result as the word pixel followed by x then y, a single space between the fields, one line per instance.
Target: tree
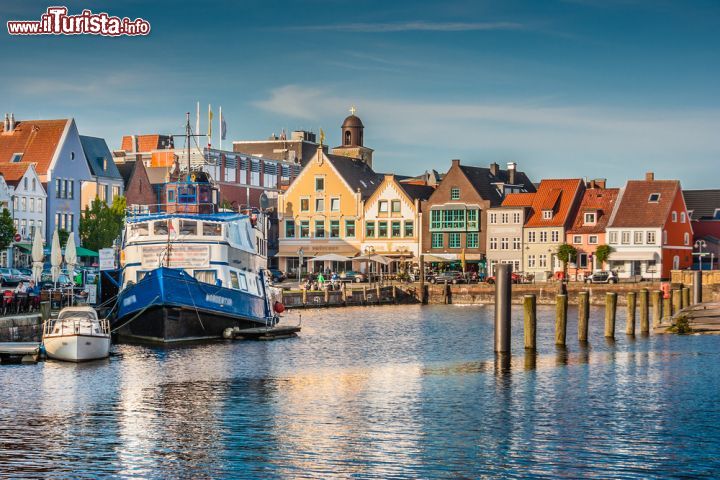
pixel 602 253
pixel 7 229
pixel 566 253
pixel 63 236
pixel 100 225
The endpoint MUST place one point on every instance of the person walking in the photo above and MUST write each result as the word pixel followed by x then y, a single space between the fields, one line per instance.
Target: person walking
pixel 321 279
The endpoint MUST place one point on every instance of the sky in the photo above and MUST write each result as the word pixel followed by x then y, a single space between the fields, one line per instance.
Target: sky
pixel 565 88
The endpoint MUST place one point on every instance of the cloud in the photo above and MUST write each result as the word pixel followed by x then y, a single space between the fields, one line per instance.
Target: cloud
pixel 412 26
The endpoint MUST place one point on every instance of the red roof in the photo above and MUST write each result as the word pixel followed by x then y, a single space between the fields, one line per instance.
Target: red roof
pixel 145 143
pixel 557 195
pixel 635 209
pixel 13 172
pixel 598 200
pixel 37 140
pixel 518 200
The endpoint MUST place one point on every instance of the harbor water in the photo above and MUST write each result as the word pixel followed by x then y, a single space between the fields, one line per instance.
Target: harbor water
pixel 374 392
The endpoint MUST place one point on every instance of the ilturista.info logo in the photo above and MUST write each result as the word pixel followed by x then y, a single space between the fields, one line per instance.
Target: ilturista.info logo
pixel 56 21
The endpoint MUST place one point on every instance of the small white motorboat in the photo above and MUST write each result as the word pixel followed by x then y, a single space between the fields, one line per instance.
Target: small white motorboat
pixel 77 335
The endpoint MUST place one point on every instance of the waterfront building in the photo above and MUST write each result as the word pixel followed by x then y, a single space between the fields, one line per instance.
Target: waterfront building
pixel 106 183
pixel 352 140
pixel 649 230
pixel 551 214
pixel 139 190
pixel 505 231
pixel 298 149
pixel 455 215
pixel 392 220
pixel 587 231
pixel 704 211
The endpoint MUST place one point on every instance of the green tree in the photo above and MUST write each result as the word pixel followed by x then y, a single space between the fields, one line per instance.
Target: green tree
pixel 7 229
pixel 101 224
pixel 566 253
pixel 63 236
pixel 602 253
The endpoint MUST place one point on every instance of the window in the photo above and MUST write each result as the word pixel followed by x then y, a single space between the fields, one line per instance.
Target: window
pixel 304 228
pixel 395 230
pixel 40 227
pixel 25 183
pixel 654 198
pixel 304 204
pixel 171 196
pixel 682 217
pixel 454 240
pixel 516 243
pixel 334 228
pixel 542 260
pixel 626 238
pixel 319 204
pixel 674 217
pixel 289 229
pixel 72 155
pixel 71 189
pixel 516 217
pixel 116 191
pixel 70 222
pixel 350 228
pixel 650 238
pixel 493 243
pixel 319 184
pixel 382 206
pixel 212 229
pixel 547 214
pixel 531 261
pixel 504 218
pixel 543 237
pixel 39 205
pixel 582 260
pixel 472 220
pixel 493 218
pixel 638 238
pixel 102 192
pixel 335 204
pixel 319 228
pixel 437 240
pixel 577 239
pixel 382 230
pixel 234 281
pixel 395 206
pixel 531 237
pixel 409 228
pixel 140 275
pixel 188 227
pixel 687 238
pixel 243 281
pixel 455 219
pixel 471 240
pixel 454 193
pixel 593 239
pixel 139 230
pixel 370 229
pixel 34 185
pixel 205 276
pixel 613 237
pixel 16 157
pixel 555 236
pixel 590 218
pixel 504 243
pixel 160 227
pixel 664 237
pixel 23 204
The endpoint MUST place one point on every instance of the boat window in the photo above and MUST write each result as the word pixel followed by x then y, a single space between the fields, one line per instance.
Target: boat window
pixel 171 196
pixel 212 229
pixel 243 281
pixel 188 227
pixel 76 315
pixel 234 281
pixel 205 276
pixel 187 194
pixel 160 227
pixel 204 195
pixel 139 230
pixel 140 275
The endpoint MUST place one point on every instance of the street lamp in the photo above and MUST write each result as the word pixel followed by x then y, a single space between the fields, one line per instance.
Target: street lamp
pixel 300 257
pixel 700 244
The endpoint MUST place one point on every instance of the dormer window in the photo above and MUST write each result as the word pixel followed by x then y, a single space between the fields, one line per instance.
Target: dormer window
pixel 654 198
pixel 454 193
pixel 590 218
pixel 547 214
pixel 16 157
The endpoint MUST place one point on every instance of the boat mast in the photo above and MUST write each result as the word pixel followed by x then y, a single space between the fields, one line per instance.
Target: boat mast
pixel 187 140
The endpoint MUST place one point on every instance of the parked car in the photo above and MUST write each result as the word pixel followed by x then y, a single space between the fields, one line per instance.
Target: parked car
pixel 276 275
pixel 353 276
pixel 602 277
pixel 26 272
pixel 25 277
pixel 449 276
pixel 8 278
pixel 514 278
pixel 63 281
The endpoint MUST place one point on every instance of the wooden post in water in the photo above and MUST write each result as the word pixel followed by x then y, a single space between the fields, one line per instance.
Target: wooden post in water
pixel 45 311
pixel 445 292
pixel 644 311
pixel 365 294
pixel 697 287
pixel 503 296
pixel 583 315
pixel 685 297
pixel 304 296
pixel 422 279
pixel 667 307
pixel 561 306
pixel 610 306
pixel 377 292
pixel 530 311
pixel 327 296
pixel 630 317
pixel 676 300
pixel 343 289
pixel 394 293
pixel 657 300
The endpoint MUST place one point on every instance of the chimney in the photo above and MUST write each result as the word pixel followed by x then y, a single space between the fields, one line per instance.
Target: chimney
pixel 649 177
pixel 600 183
pixel 494 167
pixel 6 124
pixel 511 167
pixel 11 126
pixel 456 162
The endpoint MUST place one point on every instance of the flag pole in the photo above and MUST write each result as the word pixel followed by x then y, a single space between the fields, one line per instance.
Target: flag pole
pixel 220 127
pixel 197 120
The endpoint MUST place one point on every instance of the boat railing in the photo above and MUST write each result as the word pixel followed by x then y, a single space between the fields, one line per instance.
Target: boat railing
pixel 61 327
pixel 132 211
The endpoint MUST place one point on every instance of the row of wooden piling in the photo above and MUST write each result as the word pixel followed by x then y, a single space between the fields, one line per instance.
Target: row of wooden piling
pixel 644 302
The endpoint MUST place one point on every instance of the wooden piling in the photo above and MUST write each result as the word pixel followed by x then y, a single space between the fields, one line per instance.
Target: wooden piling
pixel 657 301
pixel 304 296
pixel 445 292
pixel 583 315
pixel 422 280
pixel 667 307
pixel 394 293
pixel 327 296
pixel 561 306
pixel 685 297
pixel 630 317
pixel 45 311
pixel 377 292
pixel 676 300
pixel 530 311
pixel 644 311
pixel 610 306
pixel 343 290
pixel 364 293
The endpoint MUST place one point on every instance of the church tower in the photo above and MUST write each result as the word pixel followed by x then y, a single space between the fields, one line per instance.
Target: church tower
pixel 352 139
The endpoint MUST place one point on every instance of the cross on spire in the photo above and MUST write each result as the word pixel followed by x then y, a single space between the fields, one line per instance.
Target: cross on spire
pixel 353 110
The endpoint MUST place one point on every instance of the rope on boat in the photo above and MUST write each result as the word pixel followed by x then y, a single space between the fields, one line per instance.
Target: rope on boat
pixel 137 314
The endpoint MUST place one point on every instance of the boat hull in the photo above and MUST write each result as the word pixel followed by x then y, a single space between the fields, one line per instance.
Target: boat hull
pixel 77 348
pixel 169 306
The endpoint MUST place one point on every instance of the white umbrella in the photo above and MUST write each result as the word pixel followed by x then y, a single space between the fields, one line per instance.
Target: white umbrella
pixel 37 255
pixel 55 257
pixel 331 257
pixel 71 255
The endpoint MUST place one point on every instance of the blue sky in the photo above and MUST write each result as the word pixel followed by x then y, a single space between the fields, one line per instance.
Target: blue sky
pixel 572 88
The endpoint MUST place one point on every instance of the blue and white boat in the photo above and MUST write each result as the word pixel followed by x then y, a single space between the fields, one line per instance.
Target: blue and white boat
pixel 191 271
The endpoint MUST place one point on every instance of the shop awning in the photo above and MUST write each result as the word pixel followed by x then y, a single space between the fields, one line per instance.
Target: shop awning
pixel 441 257
pixel 24 248
pixel 633 255
pixel 84 252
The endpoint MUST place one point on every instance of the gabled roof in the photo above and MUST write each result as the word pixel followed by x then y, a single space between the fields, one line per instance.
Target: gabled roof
pixel 146 143
pixel 558 195
pixel 357 174
pixel 482 180
pixel 14 172
pixel 126 170
pixel 417 192
pixel 600 201
pixel 99 158
pixel 37 140
pixel 634 208
pixel 702 203
pixel 518 200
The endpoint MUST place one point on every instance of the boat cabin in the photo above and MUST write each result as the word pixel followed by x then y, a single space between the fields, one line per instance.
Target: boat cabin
pixel 193 195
